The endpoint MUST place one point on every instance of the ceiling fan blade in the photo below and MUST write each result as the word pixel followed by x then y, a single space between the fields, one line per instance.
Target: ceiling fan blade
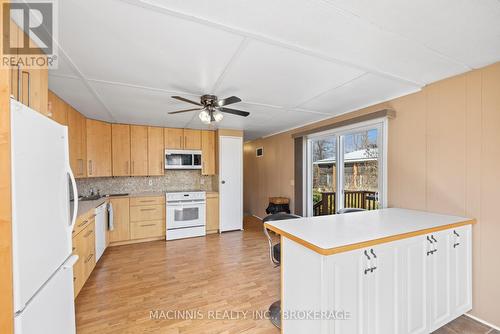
pixel 180 98
pixel 229 100
pixel 235 112
pixel 181 111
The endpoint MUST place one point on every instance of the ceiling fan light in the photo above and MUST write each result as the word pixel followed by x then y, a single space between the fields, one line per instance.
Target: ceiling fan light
pixel 204 116
pixel 218 116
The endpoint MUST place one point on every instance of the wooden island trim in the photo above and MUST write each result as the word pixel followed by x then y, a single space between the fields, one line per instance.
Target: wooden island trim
pixel 369 243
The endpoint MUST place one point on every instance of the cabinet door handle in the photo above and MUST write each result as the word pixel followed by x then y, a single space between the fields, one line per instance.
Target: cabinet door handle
pixel 88 233
pixel 373 253
pixel 180 142
pixel 133 166
pixel 456 244
pixel 434 239
pixel 90 167
pixel 127 169
pixel 456 234
pixel 89 258
pixel 367 256
pixel 19 85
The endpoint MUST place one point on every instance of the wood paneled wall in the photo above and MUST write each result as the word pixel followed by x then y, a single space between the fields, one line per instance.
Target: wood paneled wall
pixel 6 305
pixel 443 156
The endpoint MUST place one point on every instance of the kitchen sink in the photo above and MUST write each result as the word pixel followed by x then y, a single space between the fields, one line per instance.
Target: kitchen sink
pixel 90 198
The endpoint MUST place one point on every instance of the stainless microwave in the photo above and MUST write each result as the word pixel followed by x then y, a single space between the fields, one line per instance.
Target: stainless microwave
pixel 182 159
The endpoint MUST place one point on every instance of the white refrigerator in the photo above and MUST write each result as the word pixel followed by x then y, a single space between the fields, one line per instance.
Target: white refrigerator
pixel 43 219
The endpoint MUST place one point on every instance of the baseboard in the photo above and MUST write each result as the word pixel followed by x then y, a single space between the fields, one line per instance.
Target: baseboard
pixel 137 241
pixel 482 321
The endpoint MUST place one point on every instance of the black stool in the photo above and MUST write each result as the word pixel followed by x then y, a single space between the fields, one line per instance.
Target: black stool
pixel 275 255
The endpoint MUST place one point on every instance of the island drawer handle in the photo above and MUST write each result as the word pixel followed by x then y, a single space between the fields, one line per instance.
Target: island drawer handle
pixel 89 233
pixel 89 258
pixel 148 209
pixel 146 225
pixel 147 200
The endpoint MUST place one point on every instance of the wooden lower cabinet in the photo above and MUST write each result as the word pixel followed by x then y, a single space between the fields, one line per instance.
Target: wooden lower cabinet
pixel 121 220
pixel 84 247
pixel 147 229
pixel 212 213
pixel 147 217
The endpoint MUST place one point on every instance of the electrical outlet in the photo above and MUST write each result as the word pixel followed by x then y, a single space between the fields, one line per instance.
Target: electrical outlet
pixel 150 182
pixel 292 183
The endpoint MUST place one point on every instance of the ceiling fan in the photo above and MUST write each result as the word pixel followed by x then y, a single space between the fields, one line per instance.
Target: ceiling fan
pixel 212 108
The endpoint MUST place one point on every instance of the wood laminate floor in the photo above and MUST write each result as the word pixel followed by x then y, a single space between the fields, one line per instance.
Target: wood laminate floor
pixel 192 285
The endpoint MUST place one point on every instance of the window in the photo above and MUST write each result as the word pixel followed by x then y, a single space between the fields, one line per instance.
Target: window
pixel 347 161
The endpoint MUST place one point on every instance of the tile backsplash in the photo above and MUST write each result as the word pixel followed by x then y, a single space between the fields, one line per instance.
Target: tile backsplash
pixel 177 180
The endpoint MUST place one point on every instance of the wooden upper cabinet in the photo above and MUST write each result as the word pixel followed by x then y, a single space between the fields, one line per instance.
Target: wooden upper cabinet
pixel 208 153
pixel 192 139
pixel 139 150
pixel 57 109
pixel 174 139
pixel 33 83
pixel 121 149
pixel 77 142
pixel 156 152
pixel 98 148
pixel 182 139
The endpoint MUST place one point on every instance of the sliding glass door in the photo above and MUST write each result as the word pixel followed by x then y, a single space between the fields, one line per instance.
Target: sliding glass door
pixel 345 169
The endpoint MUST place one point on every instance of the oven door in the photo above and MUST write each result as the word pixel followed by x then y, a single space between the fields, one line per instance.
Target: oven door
pixel 185 214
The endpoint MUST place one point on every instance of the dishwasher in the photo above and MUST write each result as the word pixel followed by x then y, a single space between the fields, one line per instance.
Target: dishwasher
pixel 101 227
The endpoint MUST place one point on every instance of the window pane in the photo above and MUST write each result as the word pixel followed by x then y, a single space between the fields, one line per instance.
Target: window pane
pixel 324 175
pixel 361 170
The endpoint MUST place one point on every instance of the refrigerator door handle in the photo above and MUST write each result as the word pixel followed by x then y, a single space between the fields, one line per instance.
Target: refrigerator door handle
pixel 70 262
pixel 75 198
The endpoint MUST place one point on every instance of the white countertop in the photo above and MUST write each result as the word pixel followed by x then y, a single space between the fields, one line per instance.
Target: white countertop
pixel 331 232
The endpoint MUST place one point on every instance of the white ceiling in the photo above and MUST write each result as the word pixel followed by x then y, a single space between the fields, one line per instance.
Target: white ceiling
pixel 292 62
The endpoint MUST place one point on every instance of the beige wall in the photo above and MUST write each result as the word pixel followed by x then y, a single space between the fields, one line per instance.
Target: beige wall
pixel 443 156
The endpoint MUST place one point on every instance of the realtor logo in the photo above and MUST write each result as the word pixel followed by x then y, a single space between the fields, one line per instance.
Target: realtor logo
pixel 35 47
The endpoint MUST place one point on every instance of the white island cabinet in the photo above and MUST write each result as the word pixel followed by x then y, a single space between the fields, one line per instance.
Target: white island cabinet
pixel 390 271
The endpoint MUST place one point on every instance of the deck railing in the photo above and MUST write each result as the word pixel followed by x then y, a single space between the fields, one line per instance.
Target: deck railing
pixel 352 199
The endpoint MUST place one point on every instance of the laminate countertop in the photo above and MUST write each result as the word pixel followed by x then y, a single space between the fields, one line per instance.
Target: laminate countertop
pixel 85 206
pixel 340 233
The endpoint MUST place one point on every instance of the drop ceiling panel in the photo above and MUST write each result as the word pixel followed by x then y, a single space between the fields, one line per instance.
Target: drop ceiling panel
pixel 136 105
pixel 77 94
pixel 365 91
pixel 319 26
pixel 124 43
pixel 275 75
pixel 467 31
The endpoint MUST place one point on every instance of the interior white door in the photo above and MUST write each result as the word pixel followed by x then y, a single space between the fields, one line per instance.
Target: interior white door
pixel 40 200
pixel 439 280
pixel 461 270
pixel 231 183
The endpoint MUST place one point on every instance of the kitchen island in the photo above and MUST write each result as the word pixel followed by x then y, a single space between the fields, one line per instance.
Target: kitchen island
pixel 376 272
